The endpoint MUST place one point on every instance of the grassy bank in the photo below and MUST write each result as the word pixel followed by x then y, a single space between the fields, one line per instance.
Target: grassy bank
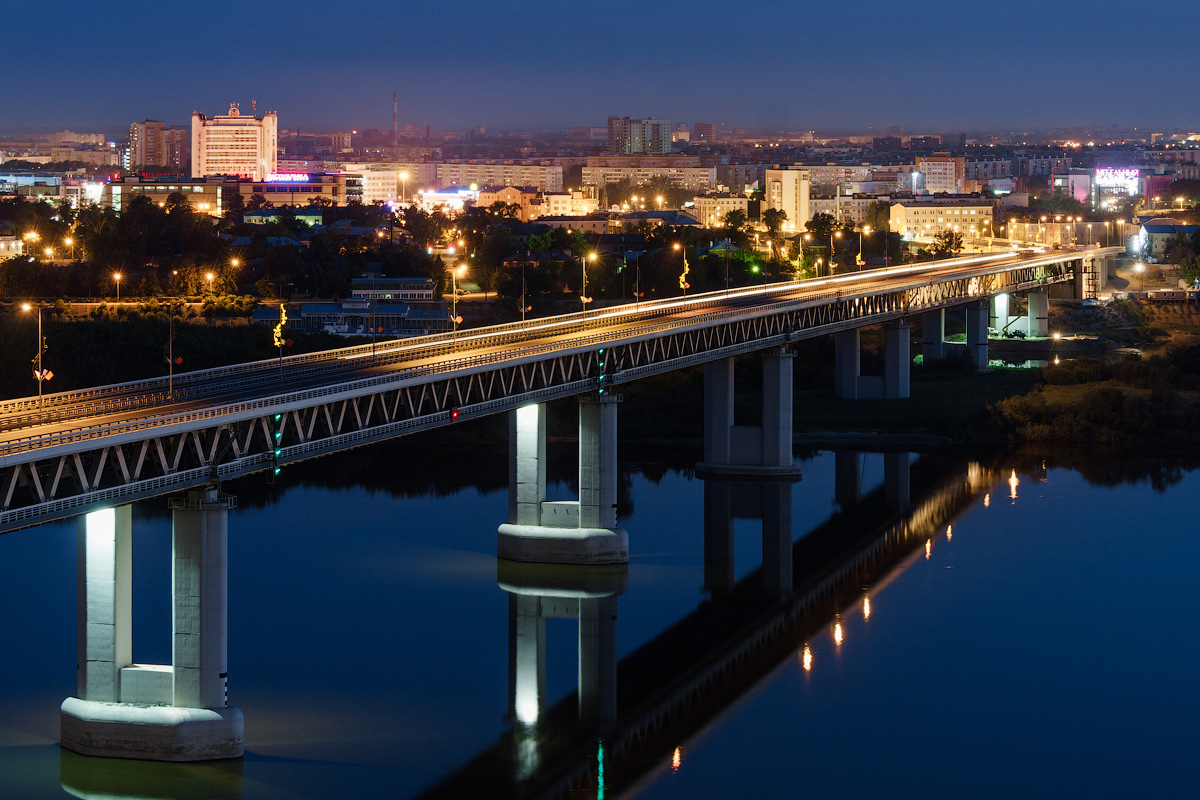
pixel 1155 400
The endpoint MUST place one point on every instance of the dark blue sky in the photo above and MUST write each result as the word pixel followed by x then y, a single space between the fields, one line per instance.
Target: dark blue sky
pixel 925 64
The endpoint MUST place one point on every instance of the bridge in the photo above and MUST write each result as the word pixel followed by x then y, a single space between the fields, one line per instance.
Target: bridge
pixel 92 453
pixel 79 451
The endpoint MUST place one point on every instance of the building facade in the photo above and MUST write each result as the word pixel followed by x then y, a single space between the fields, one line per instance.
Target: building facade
pixel 628 136
pixel 920 219
pixel 234 145
pixel 943 173
pixel 545 177
pixel 788 191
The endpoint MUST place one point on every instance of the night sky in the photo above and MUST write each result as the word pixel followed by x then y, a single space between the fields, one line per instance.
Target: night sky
pixel 928 65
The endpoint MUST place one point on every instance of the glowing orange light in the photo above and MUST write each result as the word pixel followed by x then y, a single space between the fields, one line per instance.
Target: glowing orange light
pixel 949 532
pixel 806 658
pixel 928 548
pixel 837 633
pixel 676 759
pixel 866 608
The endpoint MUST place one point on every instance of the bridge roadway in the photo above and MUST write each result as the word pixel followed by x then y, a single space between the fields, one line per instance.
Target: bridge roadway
pixel 72 452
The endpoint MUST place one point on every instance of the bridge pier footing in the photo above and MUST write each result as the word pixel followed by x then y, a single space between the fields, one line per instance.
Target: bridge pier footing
pixel 178 712
pixel 933 334
pixel 564 532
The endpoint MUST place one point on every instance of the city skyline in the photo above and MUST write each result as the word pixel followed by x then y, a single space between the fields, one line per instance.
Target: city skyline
pixel 921 66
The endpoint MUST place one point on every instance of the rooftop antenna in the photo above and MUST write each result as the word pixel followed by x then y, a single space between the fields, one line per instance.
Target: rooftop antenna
pixel 395 127
pixel 254 108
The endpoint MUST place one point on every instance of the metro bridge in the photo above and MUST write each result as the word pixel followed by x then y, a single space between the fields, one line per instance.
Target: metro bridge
pixel 94 448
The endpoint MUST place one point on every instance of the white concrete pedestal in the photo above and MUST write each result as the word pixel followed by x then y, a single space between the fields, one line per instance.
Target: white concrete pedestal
pixel 156 733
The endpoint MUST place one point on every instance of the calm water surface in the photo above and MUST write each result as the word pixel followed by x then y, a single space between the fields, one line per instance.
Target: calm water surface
pixel 1040 641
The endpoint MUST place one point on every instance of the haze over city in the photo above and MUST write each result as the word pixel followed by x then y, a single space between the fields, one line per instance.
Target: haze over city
pixel 927 65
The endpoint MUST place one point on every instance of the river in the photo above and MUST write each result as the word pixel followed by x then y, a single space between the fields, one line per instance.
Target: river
pixel 1022 625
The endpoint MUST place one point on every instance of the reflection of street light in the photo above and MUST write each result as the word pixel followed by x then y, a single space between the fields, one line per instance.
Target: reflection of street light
pixel 117 278
pixel 38 373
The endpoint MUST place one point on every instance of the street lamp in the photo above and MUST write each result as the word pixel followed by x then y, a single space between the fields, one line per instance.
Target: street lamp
pixel 38 373
pixel 69 242
pixel 584 299
pixel 832 234
pixel 455 272
pixel 1140 268
pixel 208 276
pixel 117 279
pixel 866 231
pixel 403 185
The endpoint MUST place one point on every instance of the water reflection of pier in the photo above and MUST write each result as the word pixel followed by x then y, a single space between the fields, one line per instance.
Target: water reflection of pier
pixel 667 690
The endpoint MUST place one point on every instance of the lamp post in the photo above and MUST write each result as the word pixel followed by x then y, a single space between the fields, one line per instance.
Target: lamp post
pixel 38 373
pixel 866 231
pixel 832 234
pixel 1140 268
pixel 208 276
pixel 584 299
pixel 454 318
pixel 403 186
pixel 69 242
pixel 117 278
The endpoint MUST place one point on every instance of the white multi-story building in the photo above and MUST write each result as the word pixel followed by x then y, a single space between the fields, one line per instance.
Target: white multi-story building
pixel 710 209
pixel 234 145
pixel 943 173
pixel 694 178
pixel 575 203
pixel 788 191
pixel 921 219
pixel 547 178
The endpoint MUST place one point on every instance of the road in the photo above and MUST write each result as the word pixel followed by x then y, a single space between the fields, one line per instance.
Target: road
pixel 22 421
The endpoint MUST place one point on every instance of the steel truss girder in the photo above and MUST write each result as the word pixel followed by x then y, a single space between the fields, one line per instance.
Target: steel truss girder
pixel 41 485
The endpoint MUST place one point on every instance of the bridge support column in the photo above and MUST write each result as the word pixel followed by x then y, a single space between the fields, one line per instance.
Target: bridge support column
pixel 587 594
pixel 847 480
pixel 896 485
pixel 146 711
pixel 744 450
pixel 564 532
pixel 847 359
pixel 933 334
pixel 977 332
pixel 998 308
pixel 1039 314
pixel 897 360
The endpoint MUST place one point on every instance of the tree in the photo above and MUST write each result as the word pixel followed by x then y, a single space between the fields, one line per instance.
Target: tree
pixel 1189 268
pixel 878 215
pixel 946 243
pixel 821 226
pixel 258 202
pixel 736 219
pixel 774 218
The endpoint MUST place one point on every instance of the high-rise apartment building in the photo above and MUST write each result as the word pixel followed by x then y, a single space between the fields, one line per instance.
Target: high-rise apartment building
pixel 147 143
pixel 234 145
pixel 704 132
pixel 628 136
pixel 153 144
pixel 943 172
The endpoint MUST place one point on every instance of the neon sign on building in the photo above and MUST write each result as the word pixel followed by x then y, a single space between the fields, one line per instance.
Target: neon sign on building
pixel 288 177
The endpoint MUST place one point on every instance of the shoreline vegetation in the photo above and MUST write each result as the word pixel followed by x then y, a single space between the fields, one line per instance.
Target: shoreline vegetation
pixel 1148 393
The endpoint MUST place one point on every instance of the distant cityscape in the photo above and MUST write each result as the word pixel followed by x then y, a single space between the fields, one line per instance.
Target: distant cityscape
pixel 420 202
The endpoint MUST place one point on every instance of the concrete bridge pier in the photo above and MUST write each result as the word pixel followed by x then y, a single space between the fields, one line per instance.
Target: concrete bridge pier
pixel 176 712
pixel 977 332
pixel 748 450
pixel 587 594
pixel 769 501
pixel 1039 313
pixel 564 532
pixel 999 306
pixel 933 335
pixel 850 384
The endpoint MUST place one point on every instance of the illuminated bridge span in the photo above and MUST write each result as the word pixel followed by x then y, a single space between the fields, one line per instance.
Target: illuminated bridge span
pixel 111 445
